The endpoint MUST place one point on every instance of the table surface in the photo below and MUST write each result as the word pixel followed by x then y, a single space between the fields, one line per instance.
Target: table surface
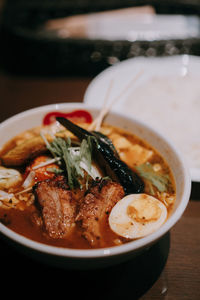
pixel 180 277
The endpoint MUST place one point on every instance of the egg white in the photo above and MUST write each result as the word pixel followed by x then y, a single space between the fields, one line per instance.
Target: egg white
pixel 9 178
pixel 148 215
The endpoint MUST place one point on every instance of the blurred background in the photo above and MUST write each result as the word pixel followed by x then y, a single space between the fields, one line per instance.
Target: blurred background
pixel 52 49
pixel 31 44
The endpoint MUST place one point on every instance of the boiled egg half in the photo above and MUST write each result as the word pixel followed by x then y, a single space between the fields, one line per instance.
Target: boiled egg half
pixel 137 215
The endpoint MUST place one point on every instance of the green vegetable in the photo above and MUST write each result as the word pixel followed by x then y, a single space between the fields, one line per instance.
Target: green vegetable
pixel 76 160
pixel 55 170
pixel 160 181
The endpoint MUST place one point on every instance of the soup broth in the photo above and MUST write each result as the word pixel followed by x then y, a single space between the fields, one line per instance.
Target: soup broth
pixel 25 210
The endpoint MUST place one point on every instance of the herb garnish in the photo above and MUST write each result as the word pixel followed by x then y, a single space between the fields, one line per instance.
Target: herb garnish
pixel 55 170
pixel 160 181
pixel 76 159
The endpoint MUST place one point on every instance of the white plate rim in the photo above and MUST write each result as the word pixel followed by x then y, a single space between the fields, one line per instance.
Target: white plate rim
pixel 174 61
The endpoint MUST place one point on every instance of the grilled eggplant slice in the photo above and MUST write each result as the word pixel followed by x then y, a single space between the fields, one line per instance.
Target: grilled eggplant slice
pixel 107 159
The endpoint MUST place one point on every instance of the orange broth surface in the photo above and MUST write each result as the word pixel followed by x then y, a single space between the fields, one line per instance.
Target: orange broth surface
pixel 18 218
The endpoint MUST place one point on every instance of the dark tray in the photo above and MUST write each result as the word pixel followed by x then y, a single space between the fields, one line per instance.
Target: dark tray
pixel 27 51
pixel 128 280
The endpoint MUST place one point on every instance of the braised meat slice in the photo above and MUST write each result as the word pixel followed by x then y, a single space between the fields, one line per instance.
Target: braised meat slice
pixel 95 207
pixel 57 206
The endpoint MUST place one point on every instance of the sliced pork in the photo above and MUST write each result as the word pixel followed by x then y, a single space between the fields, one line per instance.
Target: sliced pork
pixel 57 206
pixel 95 207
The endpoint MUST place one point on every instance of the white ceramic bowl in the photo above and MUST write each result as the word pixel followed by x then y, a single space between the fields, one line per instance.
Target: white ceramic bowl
pixel 87 259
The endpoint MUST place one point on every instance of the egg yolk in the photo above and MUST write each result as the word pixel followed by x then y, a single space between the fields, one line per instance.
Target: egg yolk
pixel 144 211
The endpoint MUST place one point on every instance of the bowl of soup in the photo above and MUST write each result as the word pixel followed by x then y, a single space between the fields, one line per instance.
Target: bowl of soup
pixel 78 197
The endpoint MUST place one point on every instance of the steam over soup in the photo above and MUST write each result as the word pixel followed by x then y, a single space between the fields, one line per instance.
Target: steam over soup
pixel 79 189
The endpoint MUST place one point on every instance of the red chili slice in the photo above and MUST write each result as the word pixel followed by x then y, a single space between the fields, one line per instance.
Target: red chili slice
pixel 77 116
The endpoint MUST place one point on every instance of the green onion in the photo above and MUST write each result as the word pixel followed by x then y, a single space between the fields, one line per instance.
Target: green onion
pixel 160 181
pixel 54 170
pixel 77 160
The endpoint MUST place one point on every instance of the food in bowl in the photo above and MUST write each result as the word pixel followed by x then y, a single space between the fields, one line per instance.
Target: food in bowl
pixel 74 188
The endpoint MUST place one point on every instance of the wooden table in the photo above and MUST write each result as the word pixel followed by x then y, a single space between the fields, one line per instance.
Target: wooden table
pixel 179 277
